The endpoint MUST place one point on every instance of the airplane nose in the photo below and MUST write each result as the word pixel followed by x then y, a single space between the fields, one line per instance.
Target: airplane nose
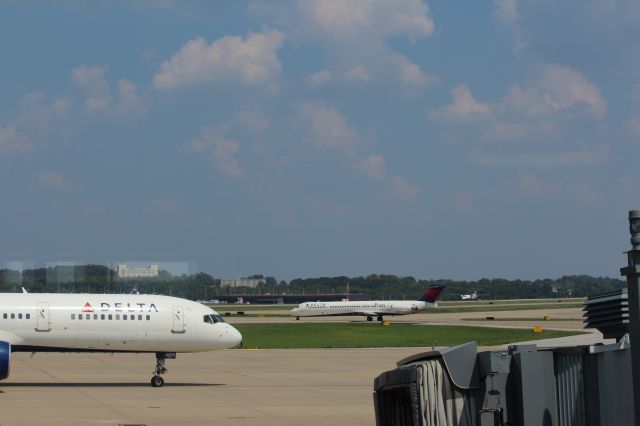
pixel 233 337
pixel 294 311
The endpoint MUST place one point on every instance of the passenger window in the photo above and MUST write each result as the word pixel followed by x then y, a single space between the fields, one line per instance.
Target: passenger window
pixel 28 316
pixel 4 316
pixel 133 317
pixel 110 317
pixel 88 316
pixel 139 317
pixel 19 316
pixel 95 316
pixel 79 316
pixel 148 317
pixel 73 316
pixel 102 316
pixel 117 316
pixel 13 316
pixel 124 317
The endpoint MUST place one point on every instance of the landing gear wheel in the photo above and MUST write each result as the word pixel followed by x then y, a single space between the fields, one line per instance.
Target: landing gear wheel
pixel 157 381
pixel 380 318
pixel 369 318
pixel 297 318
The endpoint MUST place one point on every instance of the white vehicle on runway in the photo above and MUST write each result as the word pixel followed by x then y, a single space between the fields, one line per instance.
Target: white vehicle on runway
pixel 37 322
pixel 371 308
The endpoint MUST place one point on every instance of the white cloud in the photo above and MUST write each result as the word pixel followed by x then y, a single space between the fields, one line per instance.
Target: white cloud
pixel 358 73
pixel 128 101
pixel 124 102
pixel 373 166
pixel 319 78
pixel 555 88
pixel 411 73
pixel 55 181
pixel 404 189
pixel 11 141
pixel 222 150
pixel 251 61
pixel 587 34
pixel 354 35
pixel 506 11
pixel 327 128
pixel 252 120
pixel 348 19
pixel 463 107
pixel 91 80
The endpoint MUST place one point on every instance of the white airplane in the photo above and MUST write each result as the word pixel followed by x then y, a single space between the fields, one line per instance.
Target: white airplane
pixel 472 296
pixel 377 308
pixel 38 322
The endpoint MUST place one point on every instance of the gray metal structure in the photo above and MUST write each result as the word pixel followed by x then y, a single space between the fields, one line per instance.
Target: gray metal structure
pixel 632 272
pixel 525 385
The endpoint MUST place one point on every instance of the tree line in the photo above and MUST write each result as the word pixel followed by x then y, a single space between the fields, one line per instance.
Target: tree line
pixel 203 286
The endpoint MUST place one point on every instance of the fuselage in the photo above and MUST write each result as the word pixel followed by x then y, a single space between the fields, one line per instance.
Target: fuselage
pixel 364 308
pixel 111 322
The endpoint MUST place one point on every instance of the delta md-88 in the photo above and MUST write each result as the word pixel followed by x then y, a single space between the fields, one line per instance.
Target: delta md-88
pixel 36 322
pixel 370 308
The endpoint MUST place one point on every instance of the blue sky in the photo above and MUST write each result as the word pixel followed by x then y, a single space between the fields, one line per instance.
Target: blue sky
pixel 298 139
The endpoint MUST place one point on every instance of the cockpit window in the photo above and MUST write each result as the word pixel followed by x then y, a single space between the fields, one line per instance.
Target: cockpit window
pixel 212 319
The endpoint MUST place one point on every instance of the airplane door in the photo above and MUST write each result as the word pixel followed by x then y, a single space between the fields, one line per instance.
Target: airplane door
pixel 178 320
pixel 42 317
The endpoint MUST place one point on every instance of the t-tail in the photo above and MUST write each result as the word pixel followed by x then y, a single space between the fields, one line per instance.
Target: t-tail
pixel 431 294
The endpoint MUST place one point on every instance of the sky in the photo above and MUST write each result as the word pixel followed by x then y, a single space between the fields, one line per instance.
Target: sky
pixel 436 139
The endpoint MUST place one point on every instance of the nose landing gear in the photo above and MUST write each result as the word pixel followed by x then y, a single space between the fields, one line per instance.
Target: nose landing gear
pixel 157 380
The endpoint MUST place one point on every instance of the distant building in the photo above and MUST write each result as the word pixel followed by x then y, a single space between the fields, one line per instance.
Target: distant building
pixel 242 282
pixel 138 272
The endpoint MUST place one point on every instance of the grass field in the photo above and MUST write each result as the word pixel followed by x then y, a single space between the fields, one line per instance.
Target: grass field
pixel 285 336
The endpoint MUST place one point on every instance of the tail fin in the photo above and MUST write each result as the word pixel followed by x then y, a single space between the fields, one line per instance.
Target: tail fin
pixel 431 294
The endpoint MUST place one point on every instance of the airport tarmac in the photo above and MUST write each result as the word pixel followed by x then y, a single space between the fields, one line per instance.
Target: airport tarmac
pixel 232 387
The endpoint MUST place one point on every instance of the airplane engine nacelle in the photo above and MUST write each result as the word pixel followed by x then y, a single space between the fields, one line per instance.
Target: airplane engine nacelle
pixel 5 359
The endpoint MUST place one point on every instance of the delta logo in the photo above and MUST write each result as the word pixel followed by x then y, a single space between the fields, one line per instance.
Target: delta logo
pixel 121 307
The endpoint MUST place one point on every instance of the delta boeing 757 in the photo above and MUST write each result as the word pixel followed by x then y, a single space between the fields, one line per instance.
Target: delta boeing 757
pixel 371 308
pixel 37 322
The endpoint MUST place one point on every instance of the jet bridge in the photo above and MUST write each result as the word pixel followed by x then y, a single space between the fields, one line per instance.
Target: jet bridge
pixel 525 385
